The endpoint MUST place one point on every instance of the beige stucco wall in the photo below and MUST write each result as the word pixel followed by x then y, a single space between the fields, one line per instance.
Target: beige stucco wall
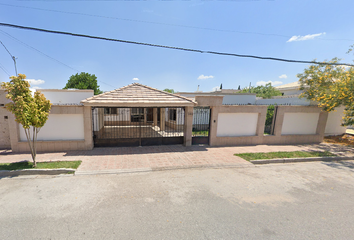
pixel 314 134
pixel 61 145
pixel 215 140
pixel 333 126
pixel 4 122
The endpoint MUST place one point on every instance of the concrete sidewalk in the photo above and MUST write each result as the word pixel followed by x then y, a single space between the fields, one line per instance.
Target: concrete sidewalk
pixel 133 159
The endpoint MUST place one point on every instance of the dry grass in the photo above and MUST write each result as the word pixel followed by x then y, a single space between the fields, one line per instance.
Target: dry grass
pixel 346 139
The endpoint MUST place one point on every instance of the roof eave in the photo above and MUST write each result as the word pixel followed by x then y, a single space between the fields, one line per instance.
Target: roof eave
pixel 134 104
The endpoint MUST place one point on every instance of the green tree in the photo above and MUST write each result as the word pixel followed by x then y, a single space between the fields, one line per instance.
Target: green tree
pixel 169 90
pixel 83 81
pixel 30 112
pixel 266 91
pixel 270 114
pixel 331 86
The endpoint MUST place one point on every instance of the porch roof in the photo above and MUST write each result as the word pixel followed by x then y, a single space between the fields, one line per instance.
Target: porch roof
pixel 138 95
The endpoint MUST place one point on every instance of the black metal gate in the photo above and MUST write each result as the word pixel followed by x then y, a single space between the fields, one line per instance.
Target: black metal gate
pixel 122 127
pixel 201 125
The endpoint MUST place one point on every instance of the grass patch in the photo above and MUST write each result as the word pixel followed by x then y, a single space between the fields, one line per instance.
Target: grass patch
pixel 40 165
pixel 200 133
pixel 272 155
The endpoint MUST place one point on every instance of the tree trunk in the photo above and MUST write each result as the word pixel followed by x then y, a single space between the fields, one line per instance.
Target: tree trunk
pixel 31 146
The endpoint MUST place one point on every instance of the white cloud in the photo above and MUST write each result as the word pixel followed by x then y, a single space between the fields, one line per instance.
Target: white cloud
pixel 135 79
pixel 283 76
pixel 35 82
pixel 304 38
pixel 260 83
pixel 202 77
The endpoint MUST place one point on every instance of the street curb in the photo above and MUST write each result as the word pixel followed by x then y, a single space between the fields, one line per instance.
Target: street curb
pixel 215 166
pixel 293 160
pixel 155 169
pixel 15 173
pixel 113 171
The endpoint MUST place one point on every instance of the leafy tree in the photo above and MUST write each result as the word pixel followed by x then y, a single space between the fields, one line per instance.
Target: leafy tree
pixel 83 81
pixel 30 112
pixel 331 86
pixel 270 114
pixel 266 91
pixel 169 90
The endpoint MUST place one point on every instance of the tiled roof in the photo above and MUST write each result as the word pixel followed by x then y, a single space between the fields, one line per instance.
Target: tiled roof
pixel 138 95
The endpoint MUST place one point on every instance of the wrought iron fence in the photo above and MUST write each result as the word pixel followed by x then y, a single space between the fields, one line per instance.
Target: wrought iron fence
pixel 134 125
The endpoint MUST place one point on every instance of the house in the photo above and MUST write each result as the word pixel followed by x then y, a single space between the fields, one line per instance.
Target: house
pixel 290 89
pixel 138 115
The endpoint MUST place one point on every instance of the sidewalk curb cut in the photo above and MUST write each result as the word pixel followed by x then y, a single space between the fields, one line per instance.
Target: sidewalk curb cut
pixel 293 160
pixel 15 173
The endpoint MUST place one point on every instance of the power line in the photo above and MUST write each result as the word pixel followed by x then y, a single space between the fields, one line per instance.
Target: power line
pixel 56 60
pixel 6 49
pixel 35 49
pixel 170 47
pixel 13 57
pixel 165 24
pixel 4 69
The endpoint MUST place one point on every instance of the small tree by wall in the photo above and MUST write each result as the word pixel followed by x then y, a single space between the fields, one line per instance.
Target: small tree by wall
pixel 331 86
pixel 30 112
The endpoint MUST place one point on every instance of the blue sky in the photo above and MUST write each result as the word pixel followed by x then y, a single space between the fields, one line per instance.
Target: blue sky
pixel 292 29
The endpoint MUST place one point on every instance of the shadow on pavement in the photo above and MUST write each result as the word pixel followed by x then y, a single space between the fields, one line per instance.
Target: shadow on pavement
pixel 340 150
pixel 137 150
pixel 341 165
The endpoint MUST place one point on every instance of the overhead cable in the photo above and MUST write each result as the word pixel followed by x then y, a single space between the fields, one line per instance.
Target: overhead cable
pixel 5 71
pixel 170 47
pixel 56 60
pixel 35 49
pixel 162 23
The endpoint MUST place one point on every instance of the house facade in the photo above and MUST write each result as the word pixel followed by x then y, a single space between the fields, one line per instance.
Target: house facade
pixel 138 115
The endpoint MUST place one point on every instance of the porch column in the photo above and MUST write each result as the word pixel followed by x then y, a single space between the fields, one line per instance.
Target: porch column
pixel 162 119
pixel 145 115
pixel 188 125
pixel 154 116
pixel 88 128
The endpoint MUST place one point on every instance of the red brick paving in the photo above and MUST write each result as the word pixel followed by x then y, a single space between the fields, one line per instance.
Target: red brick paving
pixel 156 157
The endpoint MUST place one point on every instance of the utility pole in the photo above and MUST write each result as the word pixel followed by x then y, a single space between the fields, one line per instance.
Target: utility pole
pixel 13 58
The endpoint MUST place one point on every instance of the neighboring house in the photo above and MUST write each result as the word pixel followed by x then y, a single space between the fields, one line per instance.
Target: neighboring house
pixel 231 96
pixel 290 89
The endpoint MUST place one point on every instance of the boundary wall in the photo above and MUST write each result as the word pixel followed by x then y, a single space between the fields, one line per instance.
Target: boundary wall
pixel 4 122
pixel 230 125
pixel 55 143
pixel 244 125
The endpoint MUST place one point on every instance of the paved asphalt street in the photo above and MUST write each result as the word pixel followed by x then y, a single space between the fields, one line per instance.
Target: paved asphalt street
pixel 278 201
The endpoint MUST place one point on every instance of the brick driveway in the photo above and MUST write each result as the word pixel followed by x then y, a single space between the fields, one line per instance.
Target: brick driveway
pixel 164 157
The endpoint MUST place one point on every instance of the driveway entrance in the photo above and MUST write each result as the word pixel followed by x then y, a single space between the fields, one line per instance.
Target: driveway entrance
pixel 123 127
